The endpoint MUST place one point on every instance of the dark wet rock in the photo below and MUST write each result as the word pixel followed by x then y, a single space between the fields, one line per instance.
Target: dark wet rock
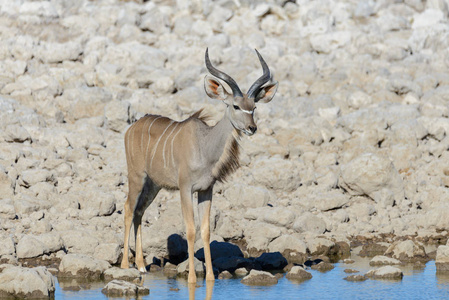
pixel 298 273
pixel 26 283
pixel 323 266
pixel 387 272
pixel 225 275
pixel 373 249
pixel 120 288
pixel 233 263
pixel 122 274
pixel 219 250
pixel 176 248
pixel 356 278
pixel 271 261
pixel 311 262
pixel 259 278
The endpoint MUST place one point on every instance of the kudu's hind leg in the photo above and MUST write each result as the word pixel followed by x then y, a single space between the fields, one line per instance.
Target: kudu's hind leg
pixel 204 205
pixel 149 192
pixel 135 189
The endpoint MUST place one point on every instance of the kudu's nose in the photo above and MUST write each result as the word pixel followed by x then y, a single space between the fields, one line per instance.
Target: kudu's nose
pixel 253 129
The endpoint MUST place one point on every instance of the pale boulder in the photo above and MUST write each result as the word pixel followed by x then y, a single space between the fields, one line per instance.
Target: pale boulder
pixel 259 278
pixel 29 247
pixel 442 259
pixel 7 209
pixel 109 252
pixel 373 175
pixel 276 173
pixel 117 115
pixel 121 288
pixel 39 282
pixel 80 265
pixel 387 272
pixel 240 195
pixel 407 251
pixel 7 246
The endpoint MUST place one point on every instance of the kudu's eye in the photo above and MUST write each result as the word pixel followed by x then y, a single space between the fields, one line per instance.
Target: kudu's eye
pixel 236 107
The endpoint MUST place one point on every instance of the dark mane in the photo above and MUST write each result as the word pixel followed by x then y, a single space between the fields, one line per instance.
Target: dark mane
pixel 229 162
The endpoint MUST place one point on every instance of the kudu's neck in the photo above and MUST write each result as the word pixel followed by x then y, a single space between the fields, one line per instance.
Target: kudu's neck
pixel 222 148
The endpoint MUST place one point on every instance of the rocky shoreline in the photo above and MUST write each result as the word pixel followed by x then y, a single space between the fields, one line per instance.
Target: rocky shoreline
pixel 352 151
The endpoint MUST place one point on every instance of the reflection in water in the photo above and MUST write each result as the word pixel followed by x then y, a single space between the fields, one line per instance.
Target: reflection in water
pixel 209 289
pixel 420 283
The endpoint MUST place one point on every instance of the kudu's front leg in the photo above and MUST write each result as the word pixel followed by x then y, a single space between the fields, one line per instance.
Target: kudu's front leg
pixel 187 212
pixel 204 205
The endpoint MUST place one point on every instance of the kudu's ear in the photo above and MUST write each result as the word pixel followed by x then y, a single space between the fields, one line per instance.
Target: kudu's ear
pixel 266 93
pixel 215 89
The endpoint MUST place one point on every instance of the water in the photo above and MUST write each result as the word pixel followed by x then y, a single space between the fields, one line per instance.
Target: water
pixel 422 283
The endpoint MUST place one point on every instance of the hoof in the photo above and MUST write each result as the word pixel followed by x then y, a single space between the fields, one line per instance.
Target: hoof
pixel 143 270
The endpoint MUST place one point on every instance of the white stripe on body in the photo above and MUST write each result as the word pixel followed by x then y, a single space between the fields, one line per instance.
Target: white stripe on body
pixel 141 138
pixel 149 138
pixel 172 140
pixel 165 143
pixel 157 143
pixel 131 136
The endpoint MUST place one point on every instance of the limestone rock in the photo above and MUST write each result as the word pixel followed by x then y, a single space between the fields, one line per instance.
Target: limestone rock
pixel 120 288
pixel 28 247
pixel 355 278
pixel 276 173
pixel 240 195
pixel 442 259
pixel 387 272
pixel 224 275
pixel 375 176
pixel 79 241
pixel 259 278
pixel 7 246
pixel 380 260
pixel 122 274
pixel 7 209
pixel 80 265
pixel 292 248
pixel 109 252
pixel 183 268
pixel 407 251
pixel 298 273
pixel 39 283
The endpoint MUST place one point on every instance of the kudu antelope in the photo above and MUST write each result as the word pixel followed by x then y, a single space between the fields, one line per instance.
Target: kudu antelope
pixel 190 156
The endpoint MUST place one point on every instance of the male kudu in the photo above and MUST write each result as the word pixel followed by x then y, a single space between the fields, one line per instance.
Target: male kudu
pixel 190 156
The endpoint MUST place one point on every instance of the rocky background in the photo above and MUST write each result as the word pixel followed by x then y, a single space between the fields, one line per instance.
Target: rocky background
pixel 353 146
